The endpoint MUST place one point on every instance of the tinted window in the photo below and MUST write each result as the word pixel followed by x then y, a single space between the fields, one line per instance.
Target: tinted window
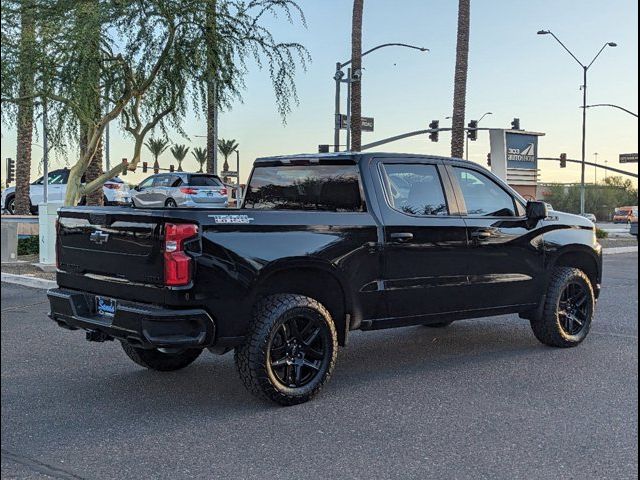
pixel 333 188
pixel 415 189
pixel 484 196
pixel 147 183
pixel 55 178
pixel 204 181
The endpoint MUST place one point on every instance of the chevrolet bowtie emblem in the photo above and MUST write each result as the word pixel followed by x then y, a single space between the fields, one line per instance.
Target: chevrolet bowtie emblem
pixel 99 237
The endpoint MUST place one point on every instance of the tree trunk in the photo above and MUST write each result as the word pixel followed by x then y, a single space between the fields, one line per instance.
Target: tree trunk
pixel 25 109
pixel 94 170
pixel 460 80
pixel 212 96
pixel 356 88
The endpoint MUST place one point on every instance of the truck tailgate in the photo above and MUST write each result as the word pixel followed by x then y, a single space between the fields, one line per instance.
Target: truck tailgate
pixel 124 244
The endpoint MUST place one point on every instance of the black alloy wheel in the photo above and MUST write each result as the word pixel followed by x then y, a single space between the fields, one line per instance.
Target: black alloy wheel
pixel 574 309
pixel 298 351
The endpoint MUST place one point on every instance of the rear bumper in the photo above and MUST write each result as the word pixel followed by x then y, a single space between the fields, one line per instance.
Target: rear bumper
pixel 141 325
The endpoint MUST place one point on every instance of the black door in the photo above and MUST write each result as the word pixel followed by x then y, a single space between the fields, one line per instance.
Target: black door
pixel 424 237
pixel 504 254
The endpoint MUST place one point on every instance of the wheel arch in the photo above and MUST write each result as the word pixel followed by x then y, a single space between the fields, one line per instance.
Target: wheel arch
pixel 313 278
pixel 583 258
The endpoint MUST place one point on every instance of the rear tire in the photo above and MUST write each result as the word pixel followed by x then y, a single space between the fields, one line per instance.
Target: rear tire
pixel 10 205
pixel 290 351
pixel 170 203
pixel 568 311
pixel 161 361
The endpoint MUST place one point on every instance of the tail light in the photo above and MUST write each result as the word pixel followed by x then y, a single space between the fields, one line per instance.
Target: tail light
pixel 112 186
pixel 189 190
pixel 177 264
pixel 223 191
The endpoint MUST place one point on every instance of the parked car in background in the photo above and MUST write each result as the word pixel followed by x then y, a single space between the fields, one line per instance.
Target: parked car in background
pixel 116 192
pixel 625 215
pixel 181 189
pixel 590 216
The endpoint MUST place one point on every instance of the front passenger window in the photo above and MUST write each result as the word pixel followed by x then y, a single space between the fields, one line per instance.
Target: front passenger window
pixel 483 196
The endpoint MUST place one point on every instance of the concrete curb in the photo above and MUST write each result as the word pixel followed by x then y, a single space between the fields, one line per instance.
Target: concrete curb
pixel 28 281
pixel 619 250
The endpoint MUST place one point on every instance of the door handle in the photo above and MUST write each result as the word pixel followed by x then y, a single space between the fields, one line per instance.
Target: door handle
pixel 481 234
pixel 401 237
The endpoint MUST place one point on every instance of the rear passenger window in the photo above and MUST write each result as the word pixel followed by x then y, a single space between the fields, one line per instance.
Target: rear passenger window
pixel 484 196
pixel 331 188
pixel 415 189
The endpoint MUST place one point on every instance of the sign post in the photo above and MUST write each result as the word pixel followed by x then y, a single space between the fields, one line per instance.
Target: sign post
pixel 514 158
pixel 368 123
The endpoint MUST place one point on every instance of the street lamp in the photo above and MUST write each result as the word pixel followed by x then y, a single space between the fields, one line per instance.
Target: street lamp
pixel 612 106
pixel 585 69
pixel 467 146
pixel 354 77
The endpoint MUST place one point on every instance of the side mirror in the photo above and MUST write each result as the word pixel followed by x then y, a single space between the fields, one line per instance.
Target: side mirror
pixel 137 188
pixel 537 211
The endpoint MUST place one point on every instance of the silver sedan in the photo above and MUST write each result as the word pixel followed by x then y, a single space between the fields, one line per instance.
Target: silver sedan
pixel 181 189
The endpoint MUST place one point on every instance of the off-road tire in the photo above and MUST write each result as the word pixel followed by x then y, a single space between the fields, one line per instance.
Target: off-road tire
pixel 253 357
pixel 161 361
pixel 547 328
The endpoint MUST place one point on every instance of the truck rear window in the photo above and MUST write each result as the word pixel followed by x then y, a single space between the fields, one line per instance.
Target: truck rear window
pixel 332 188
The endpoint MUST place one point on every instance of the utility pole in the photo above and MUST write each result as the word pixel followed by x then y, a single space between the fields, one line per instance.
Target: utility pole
pixel 356 86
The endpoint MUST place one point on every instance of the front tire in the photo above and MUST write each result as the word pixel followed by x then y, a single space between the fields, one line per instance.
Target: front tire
pixel 568 311
pixel 10 206
pixel 161 361
pixel 170 203
pixel 290 351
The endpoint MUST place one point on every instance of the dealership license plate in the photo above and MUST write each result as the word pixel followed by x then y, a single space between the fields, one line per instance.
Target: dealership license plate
pixel 105 306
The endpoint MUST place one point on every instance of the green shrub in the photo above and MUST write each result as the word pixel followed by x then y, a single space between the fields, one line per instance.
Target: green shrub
pixel 601 233
pixel 29 245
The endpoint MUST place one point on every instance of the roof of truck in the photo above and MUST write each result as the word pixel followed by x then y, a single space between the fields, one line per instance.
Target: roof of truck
pixel 347 156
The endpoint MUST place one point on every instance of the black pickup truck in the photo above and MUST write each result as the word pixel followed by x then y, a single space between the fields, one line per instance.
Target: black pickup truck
pixel 323 245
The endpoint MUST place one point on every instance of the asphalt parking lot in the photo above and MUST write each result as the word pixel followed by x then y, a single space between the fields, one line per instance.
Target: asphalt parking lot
pixel 481 399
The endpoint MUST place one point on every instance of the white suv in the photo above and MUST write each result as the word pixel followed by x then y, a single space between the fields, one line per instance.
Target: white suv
pixel 116 192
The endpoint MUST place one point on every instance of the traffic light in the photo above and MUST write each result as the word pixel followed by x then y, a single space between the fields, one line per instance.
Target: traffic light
pixel 145 167
pixel 435 125
pixel 172 168
pixel 11 170
pixel 515 125
pixel 563 160
pixel 489 159
pixel 472 132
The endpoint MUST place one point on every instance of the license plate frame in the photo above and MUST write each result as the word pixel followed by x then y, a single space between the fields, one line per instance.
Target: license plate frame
pixel 105 306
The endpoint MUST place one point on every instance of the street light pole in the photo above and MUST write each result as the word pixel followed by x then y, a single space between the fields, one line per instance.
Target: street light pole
pixel 45 147
pixel 585 69
pixel 338 77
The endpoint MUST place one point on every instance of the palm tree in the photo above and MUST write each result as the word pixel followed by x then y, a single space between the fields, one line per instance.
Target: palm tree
pixel 460 80
pixel 179 153
pixel 25 107
pixel 200 154
pixel 156 146
pixel 356 86
pixel 227 147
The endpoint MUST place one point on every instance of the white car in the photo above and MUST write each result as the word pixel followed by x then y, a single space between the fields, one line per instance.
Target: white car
pixel 116 192
pixel 590 216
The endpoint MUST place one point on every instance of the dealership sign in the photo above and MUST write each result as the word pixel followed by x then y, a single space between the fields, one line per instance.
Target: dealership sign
pixel 628 158
pixel 522 151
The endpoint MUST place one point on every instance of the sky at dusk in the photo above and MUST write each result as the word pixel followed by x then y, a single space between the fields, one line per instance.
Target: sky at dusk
pixel 513 73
